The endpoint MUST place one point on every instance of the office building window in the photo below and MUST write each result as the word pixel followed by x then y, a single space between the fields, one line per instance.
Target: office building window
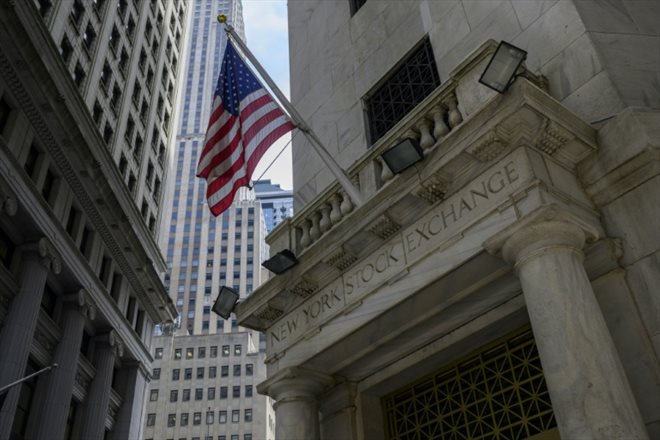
pixel 177 354
pixel 210 393
pixel 175 374
pixel 187 375
pixel 201 351
pixel 248 415
pixel 237 350
pixel 224 370
pixel 171 420
pixel 199 393
pixel 209 417
pixel 186 395
pixel 401 91
pixel 151 419
pixel 184 419
pixel 174 395
pixel 212 372
pixel 235 415
pixel 248 390
pixel 153 395
pixel 237 370
pixel 223 392
pixel 200 373
pixel 249 369
pixel 159 353
pixel 197 418
pixel 236 391
pixel 214 351
pixel 156 373
pixel 190 352
pixel 225 351
pixel 222 417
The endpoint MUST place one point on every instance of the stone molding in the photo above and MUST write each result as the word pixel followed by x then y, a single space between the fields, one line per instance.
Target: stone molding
pixel 45 253
pixel 547 227
pixel 295 383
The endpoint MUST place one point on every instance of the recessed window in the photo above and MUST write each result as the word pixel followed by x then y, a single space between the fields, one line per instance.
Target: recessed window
pixel 405 87
pixel 159 353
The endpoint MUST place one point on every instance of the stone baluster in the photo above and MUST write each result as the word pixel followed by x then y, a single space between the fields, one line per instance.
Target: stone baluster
pixel 335 213
pixel 296 392
pixel 325 222
pixel 590 394
pixel 95 409
pixel 346 205
pixel 385 172
pixel 49 421
pixel 305 239
pixel 440 128
pixel 426 141
pixel 38 258
pixel 315 230
pixel 455 116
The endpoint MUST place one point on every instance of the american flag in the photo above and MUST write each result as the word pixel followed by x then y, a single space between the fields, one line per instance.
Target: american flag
pixel 244 122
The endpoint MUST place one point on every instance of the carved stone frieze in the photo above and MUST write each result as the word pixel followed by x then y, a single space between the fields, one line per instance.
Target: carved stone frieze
pixel 305 288
pixel 487 147
pixel 553 137
pixel 48 343
pixel 383 227
pixel 82 380
pixel 268 313
pixel 433 189
pixel 341 259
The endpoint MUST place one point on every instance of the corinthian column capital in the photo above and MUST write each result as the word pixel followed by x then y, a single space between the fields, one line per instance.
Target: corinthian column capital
pixel 549 227
pixel 81 300
pixel 295 382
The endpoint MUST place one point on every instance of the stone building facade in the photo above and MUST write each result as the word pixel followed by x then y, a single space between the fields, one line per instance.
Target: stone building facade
pixel 81 267
pixel 204 388
pixel 505 285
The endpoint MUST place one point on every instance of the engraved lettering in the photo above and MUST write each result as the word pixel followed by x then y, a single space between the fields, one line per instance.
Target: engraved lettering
pixel 474 193
pixel 410 242
pixel 444 217
pixel 464 206
pixel 431 229
pixel 511 173
pixel 500 183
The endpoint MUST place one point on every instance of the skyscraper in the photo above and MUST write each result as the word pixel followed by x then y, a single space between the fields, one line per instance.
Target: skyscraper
pixel 276 203
pixel 87 94
pixel 203 254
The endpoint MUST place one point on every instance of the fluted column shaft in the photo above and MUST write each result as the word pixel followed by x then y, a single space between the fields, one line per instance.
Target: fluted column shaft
pixel 20 323
pixel 98 398
pixel 297 409
pixel 59 387
pixel 588 387
pixel 133 383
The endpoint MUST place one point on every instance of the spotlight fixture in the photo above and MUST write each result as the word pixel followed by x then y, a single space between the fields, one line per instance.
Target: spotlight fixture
pixel 281 262
pixel 403 155
pixel 502 67
pixel 226 302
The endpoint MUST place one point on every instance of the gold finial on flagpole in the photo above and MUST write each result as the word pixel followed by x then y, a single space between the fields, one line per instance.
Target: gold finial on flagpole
pixel 222 18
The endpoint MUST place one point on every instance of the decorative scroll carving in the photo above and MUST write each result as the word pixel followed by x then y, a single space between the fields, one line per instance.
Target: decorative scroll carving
pixel 553 137
pixel 305 288
pixel 341 259
pixel 46 254
pixel 383 227
pixel 433 189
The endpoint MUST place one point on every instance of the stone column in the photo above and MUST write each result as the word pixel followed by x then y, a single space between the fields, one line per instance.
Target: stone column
pixel 95 409
pixel 58 390
pixel 588 387
pixel 133 388
pixel 21 320
pixel 296 391
pixel 338 413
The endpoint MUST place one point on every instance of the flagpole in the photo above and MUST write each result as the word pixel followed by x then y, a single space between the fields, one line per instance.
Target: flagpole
pixel 329 161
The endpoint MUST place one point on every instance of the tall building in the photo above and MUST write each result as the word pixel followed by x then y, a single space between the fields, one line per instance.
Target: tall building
pixel 87 94
pixel 204 387
pixel 505 285
pixel 205 253
pixel 124 58
pixel 276 203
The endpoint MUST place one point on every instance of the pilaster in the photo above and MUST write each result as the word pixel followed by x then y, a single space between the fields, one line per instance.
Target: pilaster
pixel 590 393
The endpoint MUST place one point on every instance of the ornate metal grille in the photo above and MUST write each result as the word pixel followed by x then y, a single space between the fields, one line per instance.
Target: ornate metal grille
pixel 406 87
pixel 498 393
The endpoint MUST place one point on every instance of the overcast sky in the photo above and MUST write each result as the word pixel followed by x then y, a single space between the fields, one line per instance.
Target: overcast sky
pixel 266 30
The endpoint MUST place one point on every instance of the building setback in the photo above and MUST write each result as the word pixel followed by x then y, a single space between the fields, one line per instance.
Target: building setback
pixel 204 387
pixel 87 93
pixel 505 286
